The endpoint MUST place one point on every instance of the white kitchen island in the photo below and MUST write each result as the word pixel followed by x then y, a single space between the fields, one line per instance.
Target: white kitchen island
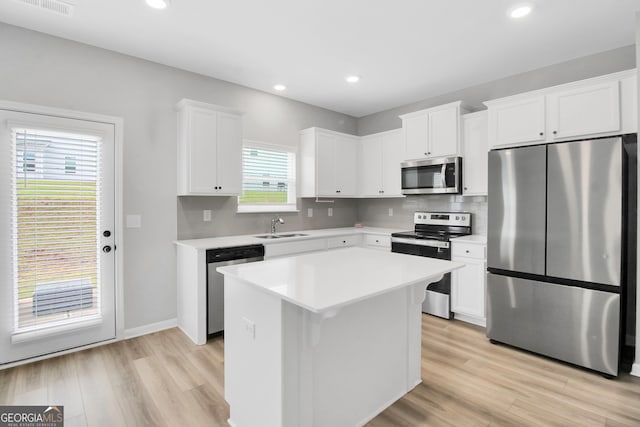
pixel 327 339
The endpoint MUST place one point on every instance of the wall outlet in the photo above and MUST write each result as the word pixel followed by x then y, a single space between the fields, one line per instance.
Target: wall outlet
pixel 390 211
pixel 249 328
pixel 206 215
pixel 330 211
pixel 310 212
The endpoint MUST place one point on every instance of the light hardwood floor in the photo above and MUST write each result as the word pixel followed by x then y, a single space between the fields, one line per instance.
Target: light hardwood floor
pixel 163 379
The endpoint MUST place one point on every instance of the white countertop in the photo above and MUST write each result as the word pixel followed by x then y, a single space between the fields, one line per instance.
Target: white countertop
pixel 251 239
pixel 478 239
pixel 323 281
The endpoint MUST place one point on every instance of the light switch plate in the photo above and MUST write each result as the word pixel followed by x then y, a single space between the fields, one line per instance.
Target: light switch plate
pixel 310 212
pixel 330 211
pixel 390 211
pixel 133 221
pixel 206 215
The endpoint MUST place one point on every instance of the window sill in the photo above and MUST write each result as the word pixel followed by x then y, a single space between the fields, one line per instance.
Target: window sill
pixel 267 209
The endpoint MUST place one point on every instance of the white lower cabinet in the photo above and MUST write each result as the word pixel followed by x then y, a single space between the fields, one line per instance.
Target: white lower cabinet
pixel 468 283
pixel 344 241
pixel 294 248
pixel 377 241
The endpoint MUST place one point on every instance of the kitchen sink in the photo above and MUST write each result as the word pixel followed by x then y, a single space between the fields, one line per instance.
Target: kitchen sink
pixel 277 236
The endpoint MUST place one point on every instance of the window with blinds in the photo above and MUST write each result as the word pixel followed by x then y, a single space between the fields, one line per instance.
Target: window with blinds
pixel 268 178
pixel 56 199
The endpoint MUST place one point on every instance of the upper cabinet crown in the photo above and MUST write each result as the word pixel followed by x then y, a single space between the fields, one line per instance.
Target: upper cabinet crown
pixel 589 108
pixel 209 150
pixel 434 132
pixel 328 163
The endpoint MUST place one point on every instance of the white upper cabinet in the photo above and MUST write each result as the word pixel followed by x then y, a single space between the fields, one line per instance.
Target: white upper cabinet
pixel 379 164
pixel 329 162
pixel 595 107
pixel 209 150
pixel 434 132
pixel 475 146
pixel 519 121
pixel 585 110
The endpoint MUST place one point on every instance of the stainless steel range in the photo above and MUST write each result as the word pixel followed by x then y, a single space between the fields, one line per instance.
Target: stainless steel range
pixel 431 238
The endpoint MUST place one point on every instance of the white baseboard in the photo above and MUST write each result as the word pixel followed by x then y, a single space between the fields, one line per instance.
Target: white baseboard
pixel 150 328
pixel 471 319
pixel 635 369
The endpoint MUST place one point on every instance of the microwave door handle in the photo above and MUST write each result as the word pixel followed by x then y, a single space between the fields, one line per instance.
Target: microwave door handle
pixel 443 171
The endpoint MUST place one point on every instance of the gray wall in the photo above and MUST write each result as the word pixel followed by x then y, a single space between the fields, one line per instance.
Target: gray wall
pixel 611 61
pixel 375 212
pixel 225 221
pixel 39 69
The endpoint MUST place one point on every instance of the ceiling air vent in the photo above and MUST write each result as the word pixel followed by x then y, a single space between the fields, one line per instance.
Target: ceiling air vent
pixel 56 6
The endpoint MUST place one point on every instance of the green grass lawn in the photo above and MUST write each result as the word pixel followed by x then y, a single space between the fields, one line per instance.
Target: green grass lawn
pixel 50 214
pixel 263 197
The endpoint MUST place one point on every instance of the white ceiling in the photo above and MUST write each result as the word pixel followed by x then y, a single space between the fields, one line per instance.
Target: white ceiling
pixel 404 50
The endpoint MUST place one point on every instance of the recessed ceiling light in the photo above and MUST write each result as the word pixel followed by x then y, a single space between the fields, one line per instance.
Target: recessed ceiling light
pixel 279 87
pixel 352 79
pixel 520 11
pixel 158 4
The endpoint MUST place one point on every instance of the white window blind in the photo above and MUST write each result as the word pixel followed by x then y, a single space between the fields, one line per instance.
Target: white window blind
pixel 56 199
pixel 268 178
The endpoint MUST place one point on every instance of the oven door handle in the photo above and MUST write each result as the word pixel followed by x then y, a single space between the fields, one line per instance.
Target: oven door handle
pixel 421 242
pixel 443 176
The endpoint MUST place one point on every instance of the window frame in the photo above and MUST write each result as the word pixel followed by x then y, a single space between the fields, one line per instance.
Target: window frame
pixel 293 182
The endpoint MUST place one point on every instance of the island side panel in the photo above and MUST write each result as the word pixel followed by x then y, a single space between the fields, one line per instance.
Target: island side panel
pixel 192 293
pixel 344 368
pixel 252 355
pixel 416 295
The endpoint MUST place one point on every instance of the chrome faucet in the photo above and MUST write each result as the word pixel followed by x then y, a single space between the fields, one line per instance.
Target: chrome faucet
pixel 274 221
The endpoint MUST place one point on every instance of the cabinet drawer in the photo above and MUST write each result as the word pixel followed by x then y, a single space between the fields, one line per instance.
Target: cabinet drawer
pixel 343 241
pixel 468 250
pixel 294 248
pixel 377 241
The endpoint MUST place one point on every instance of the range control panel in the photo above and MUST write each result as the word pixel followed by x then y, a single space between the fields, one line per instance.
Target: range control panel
pixel 443 218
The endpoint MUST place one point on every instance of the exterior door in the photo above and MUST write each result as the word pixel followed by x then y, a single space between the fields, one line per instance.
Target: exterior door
pixel 57 289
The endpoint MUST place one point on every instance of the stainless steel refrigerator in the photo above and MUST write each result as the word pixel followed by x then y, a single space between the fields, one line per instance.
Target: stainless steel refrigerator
pixel 559 236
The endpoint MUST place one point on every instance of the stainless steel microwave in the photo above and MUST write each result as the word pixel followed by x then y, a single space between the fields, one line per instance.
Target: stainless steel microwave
pixel 441 175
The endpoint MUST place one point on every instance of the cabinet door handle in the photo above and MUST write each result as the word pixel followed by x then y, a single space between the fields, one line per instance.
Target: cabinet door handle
pixel 555 132
pixel 465 188
pixel 541 133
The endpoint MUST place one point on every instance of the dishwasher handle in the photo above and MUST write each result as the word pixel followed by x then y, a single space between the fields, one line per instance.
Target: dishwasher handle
pixel 234 253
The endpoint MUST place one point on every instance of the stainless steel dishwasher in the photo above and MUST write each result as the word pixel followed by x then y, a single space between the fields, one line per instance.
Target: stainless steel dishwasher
pixel 215 281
